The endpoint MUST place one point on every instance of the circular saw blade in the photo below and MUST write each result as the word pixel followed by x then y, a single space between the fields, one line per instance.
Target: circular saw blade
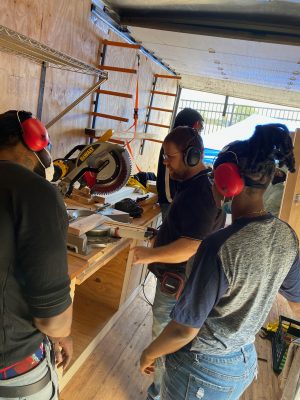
pixel 115 175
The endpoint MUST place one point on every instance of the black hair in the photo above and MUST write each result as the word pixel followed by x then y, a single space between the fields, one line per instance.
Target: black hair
pixel 10 128
pixel 184 137
pixel 187 117
pixel 256 156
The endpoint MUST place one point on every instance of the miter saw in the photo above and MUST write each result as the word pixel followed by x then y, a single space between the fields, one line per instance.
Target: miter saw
pixel 103 167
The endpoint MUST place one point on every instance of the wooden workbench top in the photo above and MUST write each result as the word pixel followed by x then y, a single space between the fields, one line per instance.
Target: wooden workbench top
pixel 80 265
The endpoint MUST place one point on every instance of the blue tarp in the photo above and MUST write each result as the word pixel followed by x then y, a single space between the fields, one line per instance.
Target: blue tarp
pixel 210 156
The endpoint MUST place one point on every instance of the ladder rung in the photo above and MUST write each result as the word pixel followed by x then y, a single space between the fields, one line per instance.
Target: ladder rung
pixel 121 44
pixel 160 109
pixel 160 125
pixel 111 93
pixel 109 116
pixel 167 76
pixel 117 69
pixel 163 93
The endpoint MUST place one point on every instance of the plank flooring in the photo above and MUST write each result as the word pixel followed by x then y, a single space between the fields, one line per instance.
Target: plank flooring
pixel 111 372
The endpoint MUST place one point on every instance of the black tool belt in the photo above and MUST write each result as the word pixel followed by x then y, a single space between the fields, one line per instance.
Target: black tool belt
pixel 27 390
pixel 172 282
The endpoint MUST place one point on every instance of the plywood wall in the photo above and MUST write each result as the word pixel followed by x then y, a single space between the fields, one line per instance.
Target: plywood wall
pixel 67 27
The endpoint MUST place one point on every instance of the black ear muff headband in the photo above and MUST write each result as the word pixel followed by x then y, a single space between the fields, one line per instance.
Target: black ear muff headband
pixel 192 154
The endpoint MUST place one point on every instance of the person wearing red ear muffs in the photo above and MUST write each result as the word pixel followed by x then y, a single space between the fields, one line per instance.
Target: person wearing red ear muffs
pixel 236 275
pixel 36 307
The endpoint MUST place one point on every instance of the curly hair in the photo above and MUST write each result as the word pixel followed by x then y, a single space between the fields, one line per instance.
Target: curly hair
pixel 256 157
pixel 10 128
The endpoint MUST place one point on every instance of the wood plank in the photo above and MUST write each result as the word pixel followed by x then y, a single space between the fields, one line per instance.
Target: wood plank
pixel 82 199
pixel 85 224
pixel 160 125
pixel 108 116
pixel 97 259
pixel 105 285
pixel 117 69
pixel 113 93
pixel 291 182
pixel 71 203
pixel 160 109
pixel 163 93
pixel 76 265
pixel 167 76
pixel 121 44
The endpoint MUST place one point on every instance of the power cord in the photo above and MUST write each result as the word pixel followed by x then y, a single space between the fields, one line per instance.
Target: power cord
pixel 143 287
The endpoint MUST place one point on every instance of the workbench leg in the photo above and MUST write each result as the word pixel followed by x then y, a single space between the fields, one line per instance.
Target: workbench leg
pixel 72 293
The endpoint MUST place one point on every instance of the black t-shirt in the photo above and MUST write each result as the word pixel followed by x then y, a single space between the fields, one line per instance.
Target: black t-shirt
pixel 192 214
pixel 34 279
pixel 161 184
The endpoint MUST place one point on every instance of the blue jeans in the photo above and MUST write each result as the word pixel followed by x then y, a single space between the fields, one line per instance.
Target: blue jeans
pixel 49 392
pixel 162 306
pixel 193 376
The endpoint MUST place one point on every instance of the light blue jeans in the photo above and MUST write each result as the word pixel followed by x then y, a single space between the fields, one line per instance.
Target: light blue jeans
pixel 162 306
pixel 49 392
pixel 193 376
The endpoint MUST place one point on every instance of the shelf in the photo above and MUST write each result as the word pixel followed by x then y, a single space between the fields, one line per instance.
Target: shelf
pixel 21 45
pixel 89 318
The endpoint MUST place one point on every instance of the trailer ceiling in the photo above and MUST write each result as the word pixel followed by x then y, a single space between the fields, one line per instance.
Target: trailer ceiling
pixel 241 42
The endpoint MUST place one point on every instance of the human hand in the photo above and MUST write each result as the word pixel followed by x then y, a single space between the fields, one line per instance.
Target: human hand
pixel 142 255
pixel 63 349
pixel 147 363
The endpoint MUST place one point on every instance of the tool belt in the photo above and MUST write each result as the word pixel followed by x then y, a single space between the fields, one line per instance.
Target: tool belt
pixel 27 390
pixel 171 282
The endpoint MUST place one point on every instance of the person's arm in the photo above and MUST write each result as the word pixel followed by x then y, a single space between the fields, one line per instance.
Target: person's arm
pixel 290 288
pixel 173 337
pixel 176 252
pixel 56 326
pixel 63 350
pixel 295 307
pixel 205 286
pixel 42 264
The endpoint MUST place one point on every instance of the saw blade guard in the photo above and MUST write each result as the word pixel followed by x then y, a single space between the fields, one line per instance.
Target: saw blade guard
pixel 113 166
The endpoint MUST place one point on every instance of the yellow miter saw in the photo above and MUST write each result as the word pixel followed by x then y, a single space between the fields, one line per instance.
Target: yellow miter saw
pixel 102 166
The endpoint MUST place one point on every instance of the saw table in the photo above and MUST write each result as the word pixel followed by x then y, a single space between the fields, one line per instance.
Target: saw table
pixel 103 284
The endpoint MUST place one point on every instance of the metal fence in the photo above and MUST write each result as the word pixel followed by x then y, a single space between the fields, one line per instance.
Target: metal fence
pixel 221 115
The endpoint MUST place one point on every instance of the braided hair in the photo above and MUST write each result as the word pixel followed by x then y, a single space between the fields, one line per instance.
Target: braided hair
pixel 256 156
pixel 10 128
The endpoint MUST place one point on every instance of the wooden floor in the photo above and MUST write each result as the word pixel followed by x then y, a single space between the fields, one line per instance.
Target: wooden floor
pixel 112 373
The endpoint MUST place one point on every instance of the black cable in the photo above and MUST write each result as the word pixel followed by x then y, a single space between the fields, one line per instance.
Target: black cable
pixel 143 286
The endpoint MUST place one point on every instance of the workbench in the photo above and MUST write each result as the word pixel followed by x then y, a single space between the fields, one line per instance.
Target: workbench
pixel 103 284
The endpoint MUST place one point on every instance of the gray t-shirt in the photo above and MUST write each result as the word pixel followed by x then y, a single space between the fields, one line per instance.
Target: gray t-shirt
pixel 236 275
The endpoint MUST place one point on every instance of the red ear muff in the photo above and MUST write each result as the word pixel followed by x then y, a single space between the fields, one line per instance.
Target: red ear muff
pixel 35 134
pixel 228 180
